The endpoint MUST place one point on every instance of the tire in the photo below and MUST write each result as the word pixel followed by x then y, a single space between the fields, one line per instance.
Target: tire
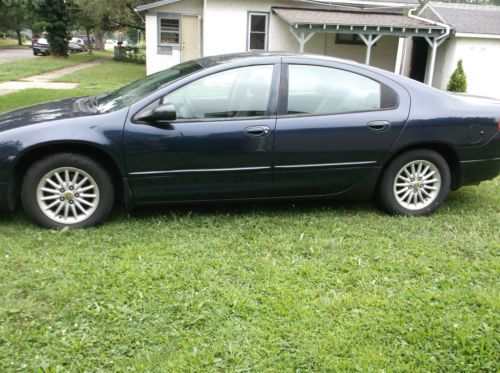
pixel 67 190
pixel 415 183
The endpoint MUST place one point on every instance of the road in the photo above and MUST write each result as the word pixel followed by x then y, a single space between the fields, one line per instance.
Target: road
pixel 14 54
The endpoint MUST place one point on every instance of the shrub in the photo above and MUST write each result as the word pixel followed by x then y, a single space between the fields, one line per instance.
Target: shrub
pixel 130 54
pixel 458 80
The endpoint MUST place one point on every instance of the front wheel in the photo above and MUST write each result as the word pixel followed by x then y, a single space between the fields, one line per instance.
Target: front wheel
pixel 67 190
pixel 415 184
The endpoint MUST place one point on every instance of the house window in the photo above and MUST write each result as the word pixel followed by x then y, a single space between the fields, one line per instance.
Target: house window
pixel 353 39
pixel 169 31
pixel 258 26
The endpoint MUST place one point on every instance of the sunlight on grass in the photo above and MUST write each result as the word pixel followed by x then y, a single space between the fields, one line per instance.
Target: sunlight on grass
pixel 107 77
pixel 41 64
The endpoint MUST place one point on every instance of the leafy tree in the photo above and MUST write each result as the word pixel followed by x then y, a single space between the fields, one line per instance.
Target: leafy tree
pixel 458 80
pixel 53 16
pixel 109 15
pixel 15 16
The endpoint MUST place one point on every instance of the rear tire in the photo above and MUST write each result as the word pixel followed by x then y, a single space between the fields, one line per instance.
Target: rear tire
pixel 415 183
pixel 67 190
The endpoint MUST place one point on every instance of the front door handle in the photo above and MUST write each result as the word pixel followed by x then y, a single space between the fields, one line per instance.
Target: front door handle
pixel 257 131
pixel 379 125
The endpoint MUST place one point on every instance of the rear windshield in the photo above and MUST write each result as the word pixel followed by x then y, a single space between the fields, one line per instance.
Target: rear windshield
pixel 129 94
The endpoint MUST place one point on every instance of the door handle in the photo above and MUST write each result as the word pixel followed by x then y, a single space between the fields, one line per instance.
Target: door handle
pixel 257 131
pixel 380 125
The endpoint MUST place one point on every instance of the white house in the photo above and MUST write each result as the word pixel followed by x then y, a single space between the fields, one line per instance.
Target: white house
pixel 382 33
pixel 475 41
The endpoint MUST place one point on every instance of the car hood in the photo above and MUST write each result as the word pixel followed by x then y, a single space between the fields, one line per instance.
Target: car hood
pixel 58 110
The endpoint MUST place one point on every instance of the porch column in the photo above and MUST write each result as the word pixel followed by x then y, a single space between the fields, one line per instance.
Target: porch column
pixel 400 56
pixel 434 44
pixel 302 38
pixel 369 40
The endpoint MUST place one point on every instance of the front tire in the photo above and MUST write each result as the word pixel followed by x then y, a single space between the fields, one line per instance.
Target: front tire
pixel 416 183
pixel 67 190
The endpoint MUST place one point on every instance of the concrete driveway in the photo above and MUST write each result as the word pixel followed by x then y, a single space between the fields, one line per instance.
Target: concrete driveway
pixel 14 54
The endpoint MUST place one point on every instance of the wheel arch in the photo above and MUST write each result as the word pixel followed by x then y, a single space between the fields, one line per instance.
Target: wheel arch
pixel 445 150
pixel 30 156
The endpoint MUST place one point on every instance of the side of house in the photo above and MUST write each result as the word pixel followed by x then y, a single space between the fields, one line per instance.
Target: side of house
pixel 476 41
pixel 179 30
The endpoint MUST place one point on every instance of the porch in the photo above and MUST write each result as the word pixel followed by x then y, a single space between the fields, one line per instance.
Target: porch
pixel 368 27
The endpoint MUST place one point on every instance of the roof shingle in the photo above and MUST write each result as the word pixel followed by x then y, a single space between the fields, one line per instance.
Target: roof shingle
pixel 466 18
pixel 295 16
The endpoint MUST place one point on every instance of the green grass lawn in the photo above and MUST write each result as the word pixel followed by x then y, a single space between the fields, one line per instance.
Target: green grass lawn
pixel 275 287
pixel 108 76
pixel 24 68
pixel 10 43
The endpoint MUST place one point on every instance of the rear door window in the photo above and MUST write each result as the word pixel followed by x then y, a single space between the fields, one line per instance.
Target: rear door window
pixel 318 90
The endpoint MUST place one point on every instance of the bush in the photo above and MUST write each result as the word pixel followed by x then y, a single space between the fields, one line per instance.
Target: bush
pixel 458 80
pixel 130 54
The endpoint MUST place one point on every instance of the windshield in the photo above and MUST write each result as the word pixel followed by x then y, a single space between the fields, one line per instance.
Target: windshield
pixel 131 93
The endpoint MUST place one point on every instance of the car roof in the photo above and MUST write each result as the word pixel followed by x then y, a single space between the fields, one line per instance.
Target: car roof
pixel 207 62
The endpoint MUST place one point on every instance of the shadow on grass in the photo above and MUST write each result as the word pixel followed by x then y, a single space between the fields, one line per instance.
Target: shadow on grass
pixel 255 208
pixel 457 202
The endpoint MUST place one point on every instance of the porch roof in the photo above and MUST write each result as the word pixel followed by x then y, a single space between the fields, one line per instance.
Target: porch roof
pixel 358 22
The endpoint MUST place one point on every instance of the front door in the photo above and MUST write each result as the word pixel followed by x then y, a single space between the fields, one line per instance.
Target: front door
pixel 220 146
pixel 335 127
pixel 190 34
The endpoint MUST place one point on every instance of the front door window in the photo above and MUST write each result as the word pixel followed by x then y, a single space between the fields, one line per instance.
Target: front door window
pixel 237 93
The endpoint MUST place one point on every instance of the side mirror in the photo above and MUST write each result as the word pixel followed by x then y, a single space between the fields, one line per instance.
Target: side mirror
pixel 162 113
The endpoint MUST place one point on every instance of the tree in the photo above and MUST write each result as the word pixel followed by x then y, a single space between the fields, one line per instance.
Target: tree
pixel 458 80
pixel 15 16
pixel 109 15
pixel 53 16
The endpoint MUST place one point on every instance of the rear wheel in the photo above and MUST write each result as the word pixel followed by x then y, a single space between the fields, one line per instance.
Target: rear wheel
pixel 415 184
pixel 67 190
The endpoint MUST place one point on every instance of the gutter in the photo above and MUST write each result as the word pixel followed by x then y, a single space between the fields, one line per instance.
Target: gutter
pixel 434 23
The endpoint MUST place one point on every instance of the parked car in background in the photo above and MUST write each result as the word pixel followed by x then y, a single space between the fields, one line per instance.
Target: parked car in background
pixel 41 47
pixel 250 126
pixel 88 42
pixel 110 44
pixel 77 45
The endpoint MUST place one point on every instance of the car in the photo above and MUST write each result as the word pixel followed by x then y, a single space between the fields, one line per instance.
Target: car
pixel 76 45
pixel 41 46
pixel 252 126
pixel 110 44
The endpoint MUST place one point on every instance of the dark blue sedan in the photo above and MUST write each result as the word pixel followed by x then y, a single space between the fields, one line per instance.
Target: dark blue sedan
pixel 247 127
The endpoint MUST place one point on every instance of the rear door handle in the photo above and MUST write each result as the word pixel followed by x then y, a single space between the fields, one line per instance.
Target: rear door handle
pixel 380 125
pixel 257 131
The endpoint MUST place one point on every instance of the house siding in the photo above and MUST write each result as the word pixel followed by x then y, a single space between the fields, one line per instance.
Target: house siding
pixel 225 31
pixel 480 61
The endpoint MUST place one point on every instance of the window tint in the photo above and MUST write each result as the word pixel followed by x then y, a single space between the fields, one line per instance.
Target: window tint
pixel 323 90
pixel 236 93
pixel 257 31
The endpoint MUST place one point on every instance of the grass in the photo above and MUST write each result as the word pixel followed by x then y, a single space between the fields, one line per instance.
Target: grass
pixel 25 68
pixel 304 287
pixel 10 43
pixel 106 77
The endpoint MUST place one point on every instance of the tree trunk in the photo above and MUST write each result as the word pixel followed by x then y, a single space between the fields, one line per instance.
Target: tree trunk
pixel 19 38
pixel 89 42
pixel 99 40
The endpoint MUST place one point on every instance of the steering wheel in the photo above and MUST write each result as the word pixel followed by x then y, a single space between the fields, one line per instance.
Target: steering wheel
pixel 188 106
